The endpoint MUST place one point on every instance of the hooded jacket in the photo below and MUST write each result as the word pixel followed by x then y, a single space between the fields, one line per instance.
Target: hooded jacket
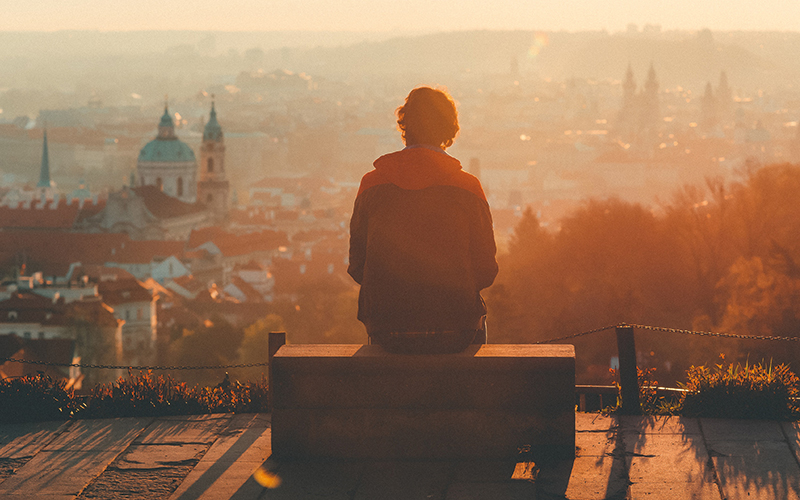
pixel 421 244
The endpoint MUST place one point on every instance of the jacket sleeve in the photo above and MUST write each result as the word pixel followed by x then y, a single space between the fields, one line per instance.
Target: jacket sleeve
pixel 358 240
pixel 482 247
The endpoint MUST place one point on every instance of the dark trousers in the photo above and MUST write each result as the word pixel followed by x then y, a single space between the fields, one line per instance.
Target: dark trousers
pixel 433 342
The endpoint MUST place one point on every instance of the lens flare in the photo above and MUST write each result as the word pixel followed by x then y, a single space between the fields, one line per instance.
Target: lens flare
pixel 266 478
pixel 540 41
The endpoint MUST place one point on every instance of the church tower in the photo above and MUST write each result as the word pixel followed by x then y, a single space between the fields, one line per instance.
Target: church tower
pixel 213 187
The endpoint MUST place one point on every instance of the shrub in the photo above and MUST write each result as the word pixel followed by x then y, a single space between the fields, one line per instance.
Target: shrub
pixel 35 397
pixel 39 397
pixel 146 395
pixel 649 400
pixel 750 391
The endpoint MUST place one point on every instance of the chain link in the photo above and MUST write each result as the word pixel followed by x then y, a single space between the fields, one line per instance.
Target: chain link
pixel 576 335
pixel 127 367
pixel 714 334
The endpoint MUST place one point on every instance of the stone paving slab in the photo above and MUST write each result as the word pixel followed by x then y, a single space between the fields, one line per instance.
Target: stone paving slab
pixel 200 429
pixel 756 469
pixel 66 465
pixel 20 442
pixel 214 457
pixel 159 459
pixel 648 424
pixel 735 430
pixel 25 440
pixel 225 470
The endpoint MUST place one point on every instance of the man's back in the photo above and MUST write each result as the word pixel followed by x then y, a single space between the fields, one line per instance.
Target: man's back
pixel 421 244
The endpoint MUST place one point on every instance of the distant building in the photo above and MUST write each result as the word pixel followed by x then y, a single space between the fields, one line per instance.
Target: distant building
pixel 135 308
pixel 168 163
pixel 213 188
pixel 147 213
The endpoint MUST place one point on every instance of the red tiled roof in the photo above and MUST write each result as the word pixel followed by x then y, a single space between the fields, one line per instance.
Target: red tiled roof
pixel 243 244
pixel 61 217
pixel 97 273
pixel 53 251
pixel 250 293
pixel 28 307
pixel 123 292
pixel 95 312
pixel 250 217
pixel 306 183
pixel 206 234
pixel 250 266
pixel 145 251
pixel 164 206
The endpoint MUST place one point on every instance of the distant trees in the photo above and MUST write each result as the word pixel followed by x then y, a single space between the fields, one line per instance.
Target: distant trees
pixel 716 257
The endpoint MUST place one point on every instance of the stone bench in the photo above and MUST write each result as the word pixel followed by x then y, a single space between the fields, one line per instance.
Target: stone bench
pixel 358 401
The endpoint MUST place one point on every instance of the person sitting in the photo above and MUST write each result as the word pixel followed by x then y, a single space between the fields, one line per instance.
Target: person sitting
pixel 421 239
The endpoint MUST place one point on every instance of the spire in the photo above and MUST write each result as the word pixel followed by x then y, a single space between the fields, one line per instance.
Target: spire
pixel 212 131
pixel 44 172
pixel 166 127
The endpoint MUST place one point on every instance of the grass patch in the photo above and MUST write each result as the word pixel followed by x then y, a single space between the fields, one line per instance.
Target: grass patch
pixel 749 391
pixel 143 394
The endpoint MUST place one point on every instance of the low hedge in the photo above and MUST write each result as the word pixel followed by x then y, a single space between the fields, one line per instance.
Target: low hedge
pixel 39 397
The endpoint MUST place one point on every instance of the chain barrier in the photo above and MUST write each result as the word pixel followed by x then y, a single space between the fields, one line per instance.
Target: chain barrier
pixel 558 339
pixel 128 367
pixel 713 334
pixel 576 335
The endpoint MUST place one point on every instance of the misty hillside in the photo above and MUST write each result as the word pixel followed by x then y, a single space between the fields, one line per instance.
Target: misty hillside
pixel 62 69
pixel 689 60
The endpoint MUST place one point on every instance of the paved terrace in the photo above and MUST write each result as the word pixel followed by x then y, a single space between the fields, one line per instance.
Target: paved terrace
pixel 215 456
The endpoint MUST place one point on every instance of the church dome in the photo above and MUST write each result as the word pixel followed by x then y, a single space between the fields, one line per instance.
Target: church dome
pixel 166 151
pixel 166 147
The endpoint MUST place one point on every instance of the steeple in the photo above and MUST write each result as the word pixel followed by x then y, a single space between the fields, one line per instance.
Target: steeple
pixel 44 172
pixel 212 131
pixel 213 187
pixel 166 127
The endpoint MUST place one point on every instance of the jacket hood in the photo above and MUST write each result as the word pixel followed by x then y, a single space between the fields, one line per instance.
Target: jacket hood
pixel 417 168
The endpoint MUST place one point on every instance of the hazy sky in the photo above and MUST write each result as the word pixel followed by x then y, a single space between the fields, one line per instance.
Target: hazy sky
pixel 390 15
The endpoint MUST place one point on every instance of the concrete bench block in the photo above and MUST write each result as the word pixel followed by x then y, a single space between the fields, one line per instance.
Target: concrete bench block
pixel 354 401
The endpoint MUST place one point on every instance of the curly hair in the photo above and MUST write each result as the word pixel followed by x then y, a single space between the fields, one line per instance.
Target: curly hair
pixel 428 116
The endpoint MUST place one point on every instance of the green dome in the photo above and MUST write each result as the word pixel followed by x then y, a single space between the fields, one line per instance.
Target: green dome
pixel 166 151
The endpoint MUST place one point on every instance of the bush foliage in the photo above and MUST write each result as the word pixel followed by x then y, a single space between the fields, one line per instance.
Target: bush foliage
pixel 741 391
pixel 38 397
pixel 35 398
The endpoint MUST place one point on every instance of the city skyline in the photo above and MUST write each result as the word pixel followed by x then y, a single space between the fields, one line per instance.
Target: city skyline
pixel 384 16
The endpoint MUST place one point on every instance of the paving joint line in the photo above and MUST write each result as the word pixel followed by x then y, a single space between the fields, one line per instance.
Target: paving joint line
pixel 710 461
pixel 88 483
pixel 789 444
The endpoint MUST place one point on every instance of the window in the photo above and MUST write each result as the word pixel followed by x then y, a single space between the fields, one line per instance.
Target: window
pixel 12 314
pixel 139 313
pixel 159 183
pixel 27 335
pixel 180 186
pixel 127 314
pixel 210 165
pixel 41 335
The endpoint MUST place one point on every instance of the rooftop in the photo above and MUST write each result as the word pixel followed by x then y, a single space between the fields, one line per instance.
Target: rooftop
pixel 216 456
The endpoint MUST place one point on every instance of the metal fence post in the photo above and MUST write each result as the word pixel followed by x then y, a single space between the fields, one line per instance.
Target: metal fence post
pixel 628 379
pixel 276 340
